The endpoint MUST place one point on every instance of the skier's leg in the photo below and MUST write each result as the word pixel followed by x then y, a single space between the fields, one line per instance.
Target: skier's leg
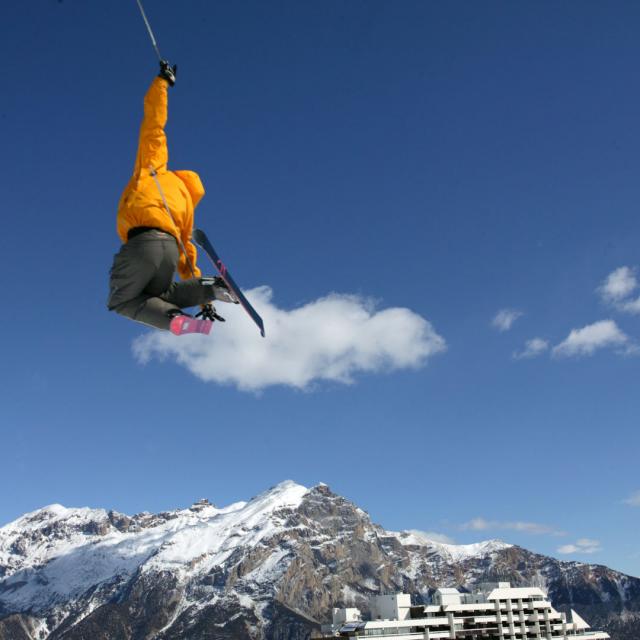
pixel 141 271
pixel 142 286
pixel 189 293
pixel 151 311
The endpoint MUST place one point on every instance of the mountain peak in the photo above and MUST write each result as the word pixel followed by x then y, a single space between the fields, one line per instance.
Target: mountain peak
pixel 282 559
pixel 285 486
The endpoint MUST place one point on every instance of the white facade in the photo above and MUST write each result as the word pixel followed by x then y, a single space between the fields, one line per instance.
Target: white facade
pixel 342 616
pixel 447 596
pixel 390 607
pixel 496 611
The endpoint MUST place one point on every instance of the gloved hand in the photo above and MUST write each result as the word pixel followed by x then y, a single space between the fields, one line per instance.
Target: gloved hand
pixel 168 72
pixel 208 312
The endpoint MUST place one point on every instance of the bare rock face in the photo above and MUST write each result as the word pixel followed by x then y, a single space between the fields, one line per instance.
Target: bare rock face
pixel 269 569
pixel 18 627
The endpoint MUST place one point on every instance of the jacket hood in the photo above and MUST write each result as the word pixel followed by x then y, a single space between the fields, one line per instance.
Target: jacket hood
pixel 194 185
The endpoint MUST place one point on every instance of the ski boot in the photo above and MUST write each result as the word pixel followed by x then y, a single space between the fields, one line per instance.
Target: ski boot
pixel 220 289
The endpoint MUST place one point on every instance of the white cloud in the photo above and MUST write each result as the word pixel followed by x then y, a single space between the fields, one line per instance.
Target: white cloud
pixel 481 524
pixel 532 349
pixel 600 335
pixel 478 524
pixel 504 319
pixel 618 284
pixel 583 545
pixel 630 306
pixel 431 536
pixel 618 287
pixel 633 500
pixel 332 338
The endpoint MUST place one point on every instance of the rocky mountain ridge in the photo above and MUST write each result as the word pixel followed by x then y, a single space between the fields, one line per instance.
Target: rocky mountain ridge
pixel 269 568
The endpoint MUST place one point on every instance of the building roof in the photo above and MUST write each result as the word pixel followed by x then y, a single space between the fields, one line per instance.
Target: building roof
pixel 516 592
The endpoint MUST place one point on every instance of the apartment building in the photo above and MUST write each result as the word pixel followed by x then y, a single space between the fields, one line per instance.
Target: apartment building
pixel 494 611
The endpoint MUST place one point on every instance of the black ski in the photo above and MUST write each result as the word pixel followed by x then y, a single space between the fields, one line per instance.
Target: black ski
pixel 201 239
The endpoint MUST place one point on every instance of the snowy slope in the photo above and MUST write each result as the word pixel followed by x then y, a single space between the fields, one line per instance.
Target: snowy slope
pixel 450 552
pixel 55 554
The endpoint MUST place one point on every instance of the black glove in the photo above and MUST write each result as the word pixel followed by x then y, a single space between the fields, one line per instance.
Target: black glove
pixel 168 72
pixel 208 312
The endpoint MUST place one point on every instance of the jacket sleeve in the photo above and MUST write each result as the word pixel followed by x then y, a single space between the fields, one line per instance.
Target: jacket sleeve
pixel 152 145
pixel 186 229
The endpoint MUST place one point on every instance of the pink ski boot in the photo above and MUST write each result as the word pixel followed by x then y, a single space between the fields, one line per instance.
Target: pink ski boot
pixel 186 324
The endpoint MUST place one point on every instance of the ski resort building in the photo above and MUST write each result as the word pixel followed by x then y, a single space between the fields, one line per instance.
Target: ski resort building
pixel 495 611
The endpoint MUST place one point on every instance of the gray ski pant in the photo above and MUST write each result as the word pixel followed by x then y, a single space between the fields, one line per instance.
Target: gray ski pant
pixel 142 286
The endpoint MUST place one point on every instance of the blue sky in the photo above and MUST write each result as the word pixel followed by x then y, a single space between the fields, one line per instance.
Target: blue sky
pixel 449 159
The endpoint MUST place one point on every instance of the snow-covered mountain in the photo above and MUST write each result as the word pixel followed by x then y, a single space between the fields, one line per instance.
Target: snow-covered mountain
pixel 269 568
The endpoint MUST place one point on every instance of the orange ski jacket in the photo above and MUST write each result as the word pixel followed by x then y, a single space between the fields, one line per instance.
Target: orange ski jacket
pixel 141 203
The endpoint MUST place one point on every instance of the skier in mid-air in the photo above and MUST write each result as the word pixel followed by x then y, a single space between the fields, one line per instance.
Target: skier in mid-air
pixel 155 223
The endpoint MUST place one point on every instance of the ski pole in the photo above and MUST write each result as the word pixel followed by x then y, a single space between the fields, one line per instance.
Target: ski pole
pixel 153 40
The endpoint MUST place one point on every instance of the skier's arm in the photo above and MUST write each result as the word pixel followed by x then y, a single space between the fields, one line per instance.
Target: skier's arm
pixel 195 188
pixel 152 146
pixel 186 230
